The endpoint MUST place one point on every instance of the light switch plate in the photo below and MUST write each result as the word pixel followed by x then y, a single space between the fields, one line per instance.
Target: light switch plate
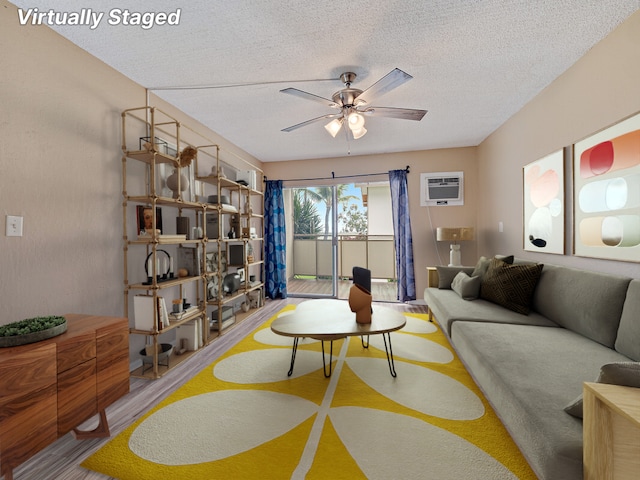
pixel 14 226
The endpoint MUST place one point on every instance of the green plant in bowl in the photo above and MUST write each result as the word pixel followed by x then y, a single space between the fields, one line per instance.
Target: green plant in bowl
pixel 31 330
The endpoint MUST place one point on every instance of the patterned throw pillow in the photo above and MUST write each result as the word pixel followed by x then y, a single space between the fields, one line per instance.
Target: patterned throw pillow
pixel 510 286
pixel 483 265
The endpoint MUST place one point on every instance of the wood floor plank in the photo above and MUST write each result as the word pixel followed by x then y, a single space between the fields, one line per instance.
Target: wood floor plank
pixel 61 460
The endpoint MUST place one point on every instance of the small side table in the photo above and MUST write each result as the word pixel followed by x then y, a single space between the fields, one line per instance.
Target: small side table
pixel 432 277
pixel 611 431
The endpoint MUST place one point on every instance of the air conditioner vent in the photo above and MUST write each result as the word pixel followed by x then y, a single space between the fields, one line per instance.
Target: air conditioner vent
pixel 442 189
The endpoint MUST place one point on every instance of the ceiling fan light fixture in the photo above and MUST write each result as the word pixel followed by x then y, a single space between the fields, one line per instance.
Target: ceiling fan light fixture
pixel 358 133
pixel 356 121
pixel 333 127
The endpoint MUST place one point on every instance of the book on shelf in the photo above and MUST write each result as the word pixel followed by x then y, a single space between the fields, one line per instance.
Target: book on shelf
pixel 163 238
pixel 163 315
pixel 183 314
pixel 146 317
pixel 225 323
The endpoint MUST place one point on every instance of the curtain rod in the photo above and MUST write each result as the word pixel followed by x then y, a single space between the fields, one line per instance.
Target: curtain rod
pixel 334 176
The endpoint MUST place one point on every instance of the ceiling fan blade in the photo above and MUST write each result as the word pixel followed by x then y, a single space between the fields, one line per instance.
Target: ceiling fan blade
pixel 313 120
pixel 391 112
pixel 310 96
pixel 391 80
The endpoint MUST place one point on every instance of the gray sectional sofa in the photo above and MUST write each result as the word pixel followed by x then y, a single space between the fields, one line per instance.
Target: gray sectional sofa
pixel 531 366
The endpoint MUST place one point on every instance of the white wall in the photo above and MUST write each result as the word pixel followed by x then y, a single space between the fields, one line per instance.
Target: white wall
pixel 379 210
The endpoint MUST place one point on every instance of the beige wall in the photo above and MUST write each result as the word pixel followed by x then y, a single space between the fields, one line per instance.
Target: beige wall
pixel 60 164
pixel 600 89
pixel 424 220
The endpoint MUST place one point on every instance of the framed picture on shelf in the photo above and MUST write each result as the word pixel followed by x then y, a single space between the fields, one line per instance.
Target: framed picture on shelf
pixel 236 254
pixel 144 215
pixel 241 274
pixel 212 261
pixel 606 176
pixel 543 188
pixel 212 288
pixel 212 267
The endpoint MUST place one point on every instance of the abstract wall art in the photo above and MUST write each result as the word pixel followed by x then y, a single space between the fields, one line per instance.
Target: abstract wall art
pixel 543 188
pixel 607 193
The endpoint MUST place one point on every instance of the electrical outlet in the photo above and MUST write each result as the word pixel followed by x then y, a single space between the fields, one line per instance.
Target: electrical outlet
pixel 14 226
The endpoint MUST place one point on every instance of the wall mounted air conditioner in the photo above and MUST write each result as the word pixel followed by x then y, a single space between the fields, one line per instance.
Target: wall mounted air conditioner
pixel 441 189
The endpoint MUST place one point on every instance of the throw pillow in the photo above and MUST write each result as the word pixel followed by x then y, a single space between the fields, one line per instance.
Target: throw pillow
pixel 467 287
pixel 626 374
pixel 481 267
pixel 447 274
pixel 506 258
pixel 483 264
pixel 510 286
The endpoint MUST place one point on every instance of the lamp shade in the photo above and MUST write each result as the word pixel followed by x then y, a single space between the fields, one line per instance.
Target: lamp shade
pixel 454 234
pixel 333 127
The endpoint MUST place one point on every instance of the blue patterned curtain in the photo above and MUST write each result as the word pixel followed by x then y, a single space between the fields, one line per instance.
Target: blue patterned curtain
pixel 402 235
pixel 274 240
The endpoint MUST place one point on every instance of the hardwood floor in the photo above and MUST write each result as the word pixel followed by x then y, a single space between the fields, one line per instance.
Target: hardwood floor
pixel 381 290
pixel 60 460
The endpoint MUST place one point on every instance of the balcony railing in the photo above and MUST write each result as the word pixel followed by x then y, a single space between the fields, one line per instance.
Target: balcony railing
pixel 312 255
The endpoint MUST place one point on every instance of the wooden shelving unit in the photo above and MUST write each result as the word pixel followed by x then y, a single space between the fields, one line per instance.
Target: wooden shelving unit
pixel 152 145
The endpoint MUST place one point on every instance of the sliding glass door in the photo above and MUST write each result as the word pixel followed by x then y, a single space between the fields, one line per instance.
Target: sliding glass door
pixel 330 230
pixel 311 241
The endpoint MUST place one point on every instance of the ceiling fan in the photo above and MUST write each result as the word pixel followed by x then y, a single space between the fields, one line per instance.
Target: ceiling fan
pixel 354 103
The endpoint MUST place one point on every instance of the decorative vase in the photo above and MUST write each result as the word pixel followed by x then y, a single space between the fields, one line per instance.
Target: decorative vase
pixel 360 303
pixel 172 183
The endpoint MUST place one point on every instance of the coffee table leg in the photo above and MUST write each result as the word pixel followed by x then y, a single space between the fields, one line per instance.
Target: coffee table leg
pixel 324 363
pixel 364 345
pixel 389 350
pixel 293 355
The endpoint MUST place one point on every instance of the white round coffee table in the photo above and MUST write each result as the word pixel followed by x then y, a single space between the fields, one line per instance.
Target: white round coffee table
pixel 329 320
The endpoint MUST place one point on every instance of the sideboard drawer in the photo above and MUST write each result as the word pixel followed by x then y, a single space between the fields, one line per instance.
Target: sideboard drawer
pixel 74 350
pixel 76 396
pixel 28 412
pixel 113 363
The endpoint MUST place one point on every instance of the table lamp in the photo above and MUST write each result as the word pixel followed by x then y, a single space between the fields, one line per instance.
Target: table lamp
pixel 454 235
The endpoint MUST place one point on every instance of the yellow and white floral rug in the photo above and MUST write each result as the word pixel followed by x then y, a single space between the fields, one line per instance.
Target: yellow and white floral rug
pixel 244 418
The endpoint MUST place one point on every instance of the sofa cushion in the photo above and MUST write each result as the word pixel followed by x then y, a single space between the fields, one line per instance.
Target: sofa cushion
pixel 529 374
pixel 626 374
pixel 586 302
pixel 448 307
pixel 628 338
pixel 447 274
pixel 467 287
pixel 510 286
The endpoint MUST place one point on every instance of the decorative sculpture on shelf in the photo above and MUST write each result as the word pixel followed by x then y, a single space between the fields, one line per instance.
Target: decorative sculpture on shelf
pixel 187 155
pixel 164 267
pixel 177 187
pixel 178 182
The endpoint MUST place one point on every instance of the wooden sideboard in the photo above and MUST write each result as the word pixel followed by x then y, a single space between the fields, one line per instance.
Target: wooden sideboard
pixel 48 388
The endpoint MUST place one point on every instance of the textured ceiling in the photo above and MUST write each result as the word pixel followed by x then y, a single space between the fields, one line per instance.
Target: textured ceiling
pixel 474 63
